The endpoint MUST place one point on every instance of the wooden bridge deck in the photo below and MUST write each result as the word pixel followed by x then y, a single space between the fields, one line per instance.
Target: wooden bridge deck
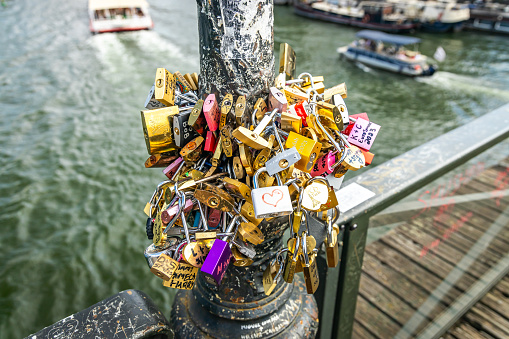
pixel 428 253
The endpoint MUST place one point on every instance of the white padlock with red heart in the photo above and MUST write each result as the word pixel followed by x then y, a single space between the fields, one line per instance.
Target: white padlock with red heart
pixel 273 201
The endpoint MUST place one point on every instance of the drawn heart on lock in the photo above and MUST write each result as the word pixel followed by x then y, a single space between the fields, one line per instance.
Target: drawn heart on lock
pixel 273 198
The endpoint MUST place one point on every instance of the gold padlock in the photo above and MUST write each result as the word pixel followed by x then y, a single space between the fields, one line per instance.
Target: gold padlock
pixel 354 158
pixel 183 278
pixel 164 267
pixel 261 108
pixel 247 211
pixel 330 92
pixel 164 91
pixel 307 148
pixel 237 187
pixel 240 259
pixel 287 59
pixel 291 122
pixel 240 109
pixel 226 106
pixel 294 96
pixel 157 129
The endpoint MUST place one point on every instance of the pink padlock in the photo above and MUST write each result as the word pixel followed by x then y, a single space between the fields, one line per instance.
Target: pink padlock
pixel 211 112
pixel 168 214
pixel 323 165
pixel 363 133
pixel 172 168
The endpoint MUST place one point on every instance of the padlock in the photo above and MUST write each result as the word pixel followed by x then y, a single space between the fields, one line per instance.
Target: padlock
pixel 368 157
pixel 246 158
pixel 287 60
pixel 226 106
pixel 243 247
pixel 324 164
pixel 237 187
pixel 331 240
pixel 211 112
pixel 264 154
pixel 214 218
pixel 157 129
pixel 181 82
pixel 195 78
pixel 183 278
pixel 294 96
pixel 282 161
pixel 247 212
pixel 182 132
pixel 277 100
pixel 307 148
pixel 354 159
pixel 259 109
pixel 190 81
pixel 238 169
pixel 292 258
pixel 253 138
pixel 273 274
pixel 329 112
pixel 191 152
pixel 173 168
pixel 338 89
pixel 226 141
pixel 215 198
pixel 315 193
pixel 309 267
pixel 353 118
pixel 164 87
pixel 164 267
pixel 301 111
pixel 337 100
pixel 195 253
pixel 197 119
pixel 240 109
pixel 160 160
pixel 291 122
pixel 249 232
pixel 151 102
pixel 363 133
pixel 271 201
pixel 240 259
pixel 280 81
pixel 219 258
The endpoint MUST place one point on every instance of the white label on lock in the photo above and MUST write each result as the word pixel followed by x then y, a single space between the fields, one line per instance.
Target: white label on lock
pixel 271 201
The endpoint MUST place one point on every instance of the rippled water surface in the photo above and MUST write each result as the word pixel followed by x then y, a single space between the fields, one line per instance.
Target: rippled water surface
pixel 73 185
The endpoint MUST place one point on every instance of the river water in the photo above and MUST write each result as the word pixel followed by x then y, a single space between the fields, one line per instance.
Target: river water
pixel 73 185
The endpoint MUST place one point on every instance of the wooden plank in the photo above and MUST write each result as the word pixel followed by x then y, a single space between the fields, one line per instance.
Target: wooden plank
pixel 465 331
pixel 413 250
pixel 396 270
pixel 387 301
pixel 375 321
pixel 444 251
pixel 360 332
pixel 484 318
pixel 497 301
pixel 455 240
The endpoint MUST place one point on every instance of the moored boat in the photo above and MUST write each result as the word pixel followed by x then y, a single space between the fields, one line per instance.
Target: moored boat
pixel 367 14
pixel 443 16
pixel 388 52
pixel 119 15
pixel 490 17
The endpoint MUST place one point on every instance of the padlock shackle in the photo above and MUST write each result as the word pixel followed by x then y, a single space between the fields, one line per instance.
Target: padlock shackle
pixel 305 248
pixel 257 175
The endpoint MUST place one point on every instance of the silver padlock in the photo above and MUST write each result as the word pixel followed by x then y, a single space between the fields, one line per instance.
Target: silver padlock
pixel 245 248
pixel 282 161
pixel 273 201
pixel 151 102
pixel 338 101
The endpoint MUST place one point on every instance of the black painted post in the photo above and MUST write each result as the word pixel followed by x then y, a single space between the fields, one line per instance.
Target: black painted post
pixel 236 56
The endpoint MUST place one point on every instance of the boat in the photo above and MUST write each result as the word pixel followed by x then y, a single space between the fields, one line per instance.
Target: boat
pixel 119 15
pixel 489 17
pixel 366 14
pixel 443 16
pixel 388 52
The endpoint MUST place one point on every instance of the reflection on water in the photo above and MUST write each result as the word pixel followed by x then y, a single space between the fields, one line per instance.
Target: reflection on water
pixel 73 182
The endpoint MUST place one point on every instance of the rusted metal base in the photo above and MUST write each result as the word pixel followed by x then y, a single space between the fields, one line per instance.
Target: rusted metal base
pixel 288 313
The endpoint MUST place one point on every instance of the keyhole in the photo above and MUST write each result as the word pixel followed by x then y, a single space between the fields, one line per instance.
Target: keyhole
pixel 283 163
pixel 159 83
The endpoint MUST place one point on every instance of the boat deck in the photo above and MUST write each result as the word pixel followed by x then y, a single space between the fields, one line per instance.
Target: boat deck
pixel 429 254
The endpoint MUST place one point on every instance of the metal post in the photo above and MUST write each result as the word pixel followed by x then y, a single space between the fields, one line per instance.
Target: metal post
pixel 349 277
pixel 236 56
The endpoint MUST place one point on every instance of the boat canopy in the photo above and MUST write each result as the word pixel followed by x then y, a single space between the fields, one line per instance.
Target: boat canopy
pixel 388 38
pixel 105 4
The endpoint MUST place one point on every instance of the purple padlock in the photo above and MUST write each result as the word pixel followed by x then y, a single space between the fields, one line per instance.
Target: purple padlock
pixel 173 168
pixel 323 165
pixel 219 258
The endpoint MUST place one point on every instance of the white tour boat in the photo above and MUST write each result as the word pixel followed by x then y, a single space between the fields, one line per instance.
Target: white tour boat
pixel 118 15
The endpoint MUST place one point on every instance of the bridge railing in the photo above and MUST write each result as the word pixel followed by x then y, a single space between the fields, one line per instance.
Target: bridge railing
pixel 382 187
